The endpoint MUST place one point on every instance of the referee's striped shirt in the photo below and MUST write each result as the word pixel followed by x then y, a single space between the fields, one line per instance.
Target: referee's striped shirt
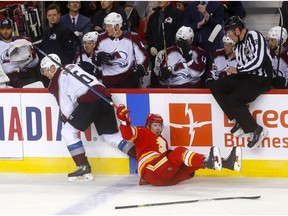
pixel 253 55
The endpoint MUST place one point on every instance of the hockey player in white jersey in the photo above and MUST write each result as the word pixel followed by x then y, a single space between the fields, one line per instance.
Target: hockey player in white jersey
pixel 277 37
pixel 86 58
pixel 121 54
pixel 17 56
pixel 182 65
pixel 79 108
pixel 222 59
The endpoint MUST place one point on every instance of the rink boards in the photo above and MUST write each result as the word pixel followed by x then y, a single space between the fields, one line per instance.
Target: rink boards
pixel 30 131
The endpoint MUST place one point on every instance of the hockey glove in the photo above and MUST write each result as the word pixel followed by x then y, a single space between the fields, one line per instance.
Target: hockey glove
pixel 88 67
pixel 185 48
pixel 165 73
pixel 140 70
pixel 279 82
pixel 102 58
pixel 123 114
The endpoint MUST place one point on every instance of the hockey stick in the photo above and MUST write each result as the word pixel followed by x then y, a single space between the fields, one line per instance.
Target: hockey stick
pixel 80 79
pixel 281 19
pixel 187 201
pixel 164 45
pixel 78 41
pixel 214 33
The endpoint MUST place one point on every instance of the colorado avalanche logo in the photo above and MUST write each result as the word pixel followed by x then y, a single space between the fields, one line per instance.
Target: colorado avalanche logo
pixel 119 58
pixel 4 56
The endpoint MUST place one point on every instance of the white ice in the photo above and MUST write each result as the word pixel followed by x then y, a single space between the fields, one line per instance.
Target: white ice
pixel 22 194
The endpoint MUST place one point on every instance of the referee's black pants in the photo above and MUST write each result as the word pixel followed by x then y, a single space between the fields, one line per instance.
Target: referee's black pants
pixel 235 91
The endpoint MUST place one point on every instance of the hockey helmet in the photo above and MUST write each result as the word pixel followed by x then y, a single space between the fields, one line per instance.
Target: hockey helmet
pixel 233 22
pixel 114 19
pixel 154 118
pixel 228 40
pixel 185 33
pixel 275 33
pixel 46 62
pixel 91 36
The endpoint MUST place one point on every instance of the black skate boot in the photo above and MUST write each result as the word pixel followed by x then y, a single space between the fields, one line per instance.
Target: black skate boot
pixel 234 160
pixel 257 136
pixel 214 160
pixel 236 130
pixel 81 174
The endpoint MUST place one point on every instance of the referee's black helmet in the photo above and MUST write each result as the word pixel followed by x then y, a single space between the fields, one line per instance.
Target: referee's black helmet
pixel 233 22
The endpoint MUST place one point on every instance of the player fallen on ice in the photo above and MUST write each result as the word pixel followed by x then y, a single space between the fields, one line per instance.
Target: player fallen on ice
pixel 160 166
pixel 79 108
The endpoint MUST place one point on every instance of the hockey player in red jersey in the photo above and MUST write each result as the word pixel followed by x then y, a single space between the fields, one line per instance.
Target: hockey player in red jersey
pixel 160 166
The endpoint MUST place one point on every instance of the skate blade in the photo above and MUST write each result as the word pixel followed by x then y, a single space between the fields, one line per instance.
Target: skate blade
pixel 262 136
pixel 218 161
pixel 238 133
pixel 84 178
pixel 238 163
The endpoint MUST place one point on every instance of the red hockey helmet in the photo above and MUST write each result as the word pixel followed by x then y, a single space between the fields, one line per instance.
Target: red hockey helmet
pixel 154 118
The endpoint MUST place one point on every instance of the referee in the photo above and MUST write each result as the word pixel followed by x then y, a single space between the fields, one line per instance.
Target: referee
pixel 251 77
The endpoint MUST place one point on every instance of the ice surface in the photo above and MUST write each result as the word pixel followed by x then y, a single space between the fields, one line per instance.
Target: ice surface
pixel 22 194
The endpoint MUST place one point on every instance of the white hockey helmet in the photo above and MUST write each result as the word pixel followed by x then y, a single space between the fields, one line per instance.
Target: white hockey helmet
pixel 185 33
pixel 275 33
pixel 114 19
pixel 228 40
pixel 46 62
pixel 91 36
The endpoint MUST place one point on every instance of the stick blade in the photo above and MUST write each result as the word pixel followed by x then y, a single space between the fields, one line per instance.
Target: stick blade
pixel 214 33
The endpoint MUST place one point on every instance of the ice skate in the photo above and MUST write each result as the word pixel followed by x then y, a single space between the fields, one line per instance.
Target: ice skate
pixel 256 137
pixel 214 160
pixel 234 160
pixel 236 130
pixel 81 174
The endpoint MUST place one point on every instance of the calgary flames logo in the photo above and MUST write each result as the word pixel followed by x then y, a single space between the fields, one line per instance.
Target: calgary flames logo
pixel 190 124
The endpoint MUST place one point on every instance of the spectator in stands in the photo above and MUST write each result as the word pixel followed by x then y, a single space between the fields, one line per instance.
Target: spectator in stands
pixel 202 17
pixel 80 107
pixel 56 37
pixel 93 7
pixel 144 21
pixel 161 30
pixel 221 60
pixel 181 5
pixel 233 8
pixel 75 21
pixel 18 57
pixel 121 55
pixel 106 8
pixel 133 17
pixel 181 65
pixel 277 36
pixel 160 165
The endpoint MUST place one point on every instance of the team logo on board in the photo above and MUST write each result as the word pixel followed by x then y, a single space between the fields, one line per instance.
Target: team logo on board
pixel 190 124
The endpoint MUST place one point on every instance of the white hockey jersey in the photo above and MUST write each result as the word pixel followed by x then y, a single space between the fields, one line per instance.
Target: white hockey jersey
pixel 126 51
pixel 69 91
pixel 220 64
pixel 10 67
pixel 85 57
pixel 283 63
pixel 182 72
